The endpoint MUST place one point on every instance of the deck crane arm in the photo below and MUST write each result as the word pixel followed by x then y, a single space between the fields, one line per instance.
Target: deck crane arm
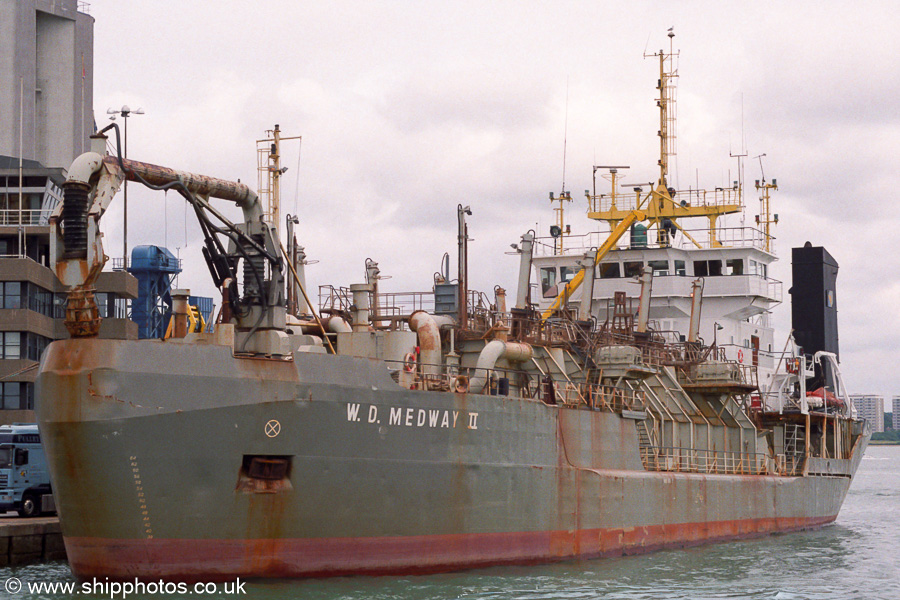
pixel 77 254
pixel 610 243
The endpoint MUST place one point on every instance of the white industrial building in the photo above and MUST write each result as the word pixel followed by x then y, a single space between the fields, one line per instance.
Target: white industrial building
pixel 46 80
pixel 871 408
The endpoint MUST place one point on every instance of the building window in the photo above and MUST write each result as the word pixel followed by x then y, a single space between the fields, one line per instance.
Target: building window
pixel 102 299
pixel 121 308
pixel 40 300
pixel 11 344
pixel 11 395
pixel 11 294
pixel 59 306
pixel 36 345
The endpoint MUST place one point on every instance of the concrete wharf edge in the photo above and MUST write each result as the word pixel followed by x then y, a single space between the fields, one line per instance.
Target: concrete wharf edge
pixel 29 541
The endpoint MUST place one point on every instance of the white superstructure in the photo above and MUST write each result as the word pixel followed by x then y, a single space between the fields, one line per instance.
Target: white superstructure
pixel 732 262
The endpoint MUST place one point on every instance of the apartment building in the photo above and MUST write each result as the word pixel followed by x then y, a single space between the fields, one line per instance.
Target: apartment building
pixel 871 408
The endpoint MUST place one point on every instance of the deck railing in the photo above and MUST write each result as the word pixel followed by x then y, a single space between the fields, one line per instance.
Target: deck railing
pixel 727 237
pixel 29 216
pixel 694 460
pixel 789 464
pixel 615 399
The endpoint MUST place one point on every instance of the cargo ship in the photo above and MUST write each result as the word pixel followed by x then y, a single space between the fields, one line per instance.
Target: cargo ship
pixel 387 433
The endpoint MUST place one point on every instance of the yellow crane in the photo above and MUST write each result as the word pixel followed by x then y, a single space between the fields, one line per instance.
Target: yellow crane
pixel 627 221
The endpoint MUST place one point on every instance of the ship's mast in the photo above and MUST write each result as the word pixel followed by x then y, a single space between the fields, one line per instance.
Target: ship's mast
pixel 557 231
pixel 765 217
pixel 663 204
pixel 269 169
pixel 668 72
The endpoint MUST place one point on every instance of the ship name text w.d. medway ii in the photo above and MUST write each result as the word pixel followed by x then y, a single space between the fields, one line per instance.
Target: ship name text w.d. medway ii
pixel 414 417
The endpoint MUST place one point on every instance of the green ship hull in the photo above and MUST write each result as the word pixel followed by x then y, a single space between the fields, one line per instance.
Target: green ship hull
pixel 152 447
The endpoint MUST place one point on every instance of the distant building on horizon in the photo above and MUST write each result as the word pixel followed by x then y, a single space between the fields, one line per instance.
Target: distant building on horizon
pixel 871 408
pixel 46 92
pixel 895 413
pixel 46 80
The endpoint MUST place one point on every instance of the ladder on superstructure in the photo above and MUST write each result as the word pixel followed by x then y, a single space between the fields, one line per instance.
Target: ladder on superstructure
pixel 794 447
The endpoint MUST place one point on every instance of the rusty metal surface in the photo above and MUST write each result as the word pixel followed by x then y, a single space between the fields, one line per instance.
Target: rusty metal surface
pixel 82 314
pixel 146 448
pixel 223 559
pixel 198 184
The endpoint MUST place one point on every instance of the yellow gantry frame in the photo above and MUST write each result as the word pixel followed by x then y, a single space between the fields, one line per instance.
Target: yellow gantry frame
pixel 610 243
pixel 196 322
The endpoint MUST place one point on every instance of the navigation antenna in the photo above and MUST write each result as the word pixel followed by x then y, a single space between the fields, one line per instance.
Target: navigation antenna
pixel 765 217
pixel 565 138
pixel 668 73
pixel 557 231
pixel 269 170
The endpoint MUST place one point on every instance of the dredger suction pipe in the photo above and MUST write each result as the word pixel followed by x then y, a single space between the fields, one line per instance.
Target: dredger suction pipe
pixel 428 328
pixel 491 353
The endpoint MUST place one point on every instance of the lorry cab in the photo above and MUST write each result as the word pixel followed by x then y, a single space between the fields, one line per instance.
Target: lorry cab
pixel 24 477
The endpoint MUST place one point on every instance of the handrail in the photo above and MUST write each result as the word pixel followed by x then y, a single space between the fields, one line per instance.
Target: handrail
pixel 735 237
pixel 697 460
pixel 27 216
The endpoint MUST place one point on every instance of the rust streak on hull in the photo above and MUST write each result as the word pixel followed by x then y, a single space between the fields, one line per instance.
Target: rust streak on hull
pixel 189 559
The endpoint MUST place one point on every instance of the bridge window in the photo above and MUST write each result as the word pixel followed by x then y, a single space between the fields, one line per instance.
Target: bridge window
pixel 679 268
pixel 734 266
pixel 707 268
pixel 633 269
pixel 548 282
pixel 610 270
pixel 660 267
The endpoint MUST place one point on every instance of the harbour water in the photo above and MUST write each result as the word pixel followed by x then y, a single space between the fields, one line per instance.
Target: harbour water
pixel 856 558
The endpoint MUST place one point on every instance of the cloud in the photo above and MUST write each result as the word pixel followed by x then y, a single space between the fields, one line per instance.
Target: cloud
pixel 408 109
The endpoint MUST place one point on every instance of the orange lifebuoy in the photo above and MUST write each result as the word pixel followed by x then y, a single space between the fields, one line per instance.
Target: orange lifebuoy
pixel 409 362
pixel 740 356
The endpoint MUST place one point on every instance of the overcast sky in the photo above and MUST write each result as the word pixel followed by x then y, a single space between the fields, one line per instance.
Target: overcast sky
pixel 409 108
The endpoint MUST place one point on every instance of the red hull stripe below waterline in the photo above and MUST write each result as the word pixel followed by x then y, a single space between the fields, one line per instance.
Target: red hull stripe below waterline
pixel 176 559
